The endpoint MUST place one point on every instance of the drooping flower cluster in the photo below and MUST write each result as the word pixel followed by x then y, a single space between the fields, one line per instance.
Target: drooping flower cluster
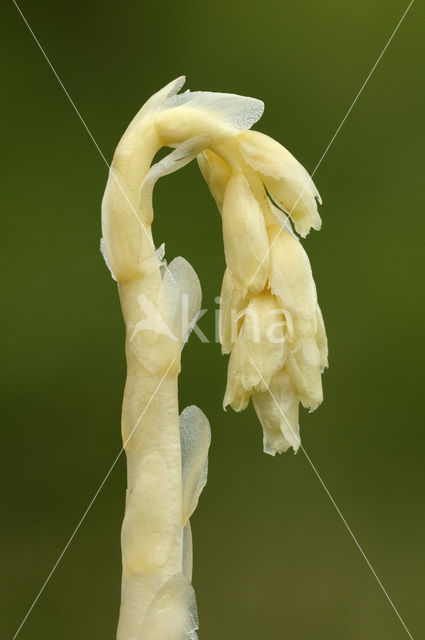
pixel 270 321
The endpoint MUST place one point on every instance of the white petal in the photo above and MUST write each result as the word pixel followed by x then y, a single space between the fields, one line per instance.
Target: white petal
pixel 285 178
pixel 277 410
pixel 219 114
pixel 269 157
pixel 239 112
pixel 246 243
pixel 195 437
pixel 290 278
pixel 294 197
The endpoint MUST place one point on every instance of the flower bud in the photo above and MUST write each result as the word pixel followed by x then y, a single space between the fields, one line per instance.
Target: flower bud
pixel 246 244
pixel 259 351
pixel 277 410
pixel 284 177
pixel 290 277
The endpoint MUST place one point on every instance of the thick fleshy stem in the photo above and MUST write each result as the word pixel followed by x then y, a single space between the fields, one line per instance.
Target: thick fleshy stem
pixel 166 456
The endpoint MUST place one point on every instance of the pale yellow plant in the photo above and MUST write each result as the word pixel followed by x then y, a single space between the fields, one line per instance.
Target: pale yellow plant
pixel 270 323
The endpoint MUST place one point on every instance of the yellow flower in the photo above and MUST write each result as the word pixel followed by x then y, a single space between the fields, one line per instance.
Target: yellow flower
pixel 268 274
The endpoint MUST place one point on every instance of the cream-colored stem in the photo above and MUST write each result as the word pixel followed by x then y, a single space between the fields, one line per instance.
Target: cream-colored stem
pixel 150 423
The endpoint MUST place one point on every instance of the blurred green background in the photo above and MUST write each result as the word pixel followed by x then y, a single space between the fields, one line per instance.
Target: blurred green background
pixel 272 557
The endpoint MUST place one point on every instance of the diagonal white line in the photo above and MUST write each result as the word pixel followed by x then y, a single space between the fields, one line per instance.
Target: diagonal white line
pixel 91 503
pixel 328 493
pixel 83 122
pixel 369 75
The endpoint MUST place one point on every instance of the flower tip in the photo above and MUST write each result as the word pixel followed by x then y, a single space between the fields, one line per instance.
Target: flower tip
pixel 271 451
pixel 302 231
pixel 317 224
pixel 313 406
pixel 175 85
pixel 261 106
pixel 304 225
pixel 238 401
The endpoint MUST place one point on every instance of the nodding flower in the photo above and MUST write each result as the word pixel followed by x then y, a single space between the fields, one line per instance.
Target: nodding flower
pixel 270 320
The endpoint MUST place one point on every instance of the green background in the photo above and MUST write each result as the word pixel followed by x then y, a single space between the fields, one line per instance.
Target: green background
pixel 273 558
